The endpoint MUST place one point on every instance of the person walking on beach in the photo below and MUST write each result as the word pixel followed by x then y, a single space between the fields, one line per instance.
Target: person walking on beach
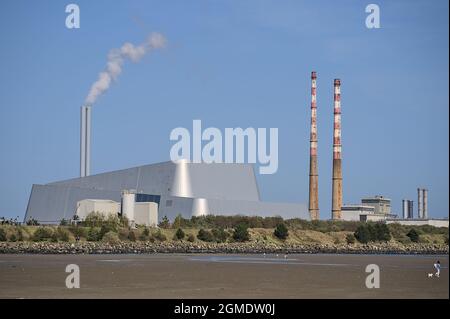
pixel 437 266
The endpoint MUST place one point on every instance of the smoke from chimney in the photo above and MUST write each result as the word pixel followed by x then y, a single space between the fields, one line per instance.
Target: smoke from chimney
pixel 116 58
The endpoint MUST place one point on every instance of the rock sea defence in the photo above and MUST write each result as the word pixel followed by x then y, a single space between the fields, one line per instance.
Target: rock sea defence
pixel 216 248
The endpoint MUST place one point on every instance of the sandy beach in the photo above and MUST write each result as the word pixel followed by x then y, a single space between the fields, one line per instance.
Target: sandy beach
pixel 222 276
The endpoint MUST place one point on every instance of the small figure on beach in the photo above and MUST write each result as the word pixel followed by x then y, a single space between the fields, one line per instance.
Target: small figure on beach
pixel 437 266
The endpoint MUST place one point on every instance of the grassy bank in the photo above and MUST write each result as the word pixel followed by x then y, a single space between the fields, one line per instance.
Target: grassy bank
pixel 228 229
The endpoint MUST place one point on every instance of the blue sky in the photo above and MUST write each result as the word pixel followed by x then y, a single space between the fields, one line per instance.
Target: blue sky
pixel 231 64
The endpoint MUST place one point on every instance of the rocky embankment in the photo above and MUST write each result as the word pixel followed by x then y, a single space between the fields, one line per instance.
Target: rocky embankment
pixel 187 247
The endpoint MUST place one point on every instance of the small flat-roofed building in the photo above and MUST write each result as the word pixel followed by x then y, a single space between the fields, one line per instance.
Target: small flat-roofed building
pixel 105 207
pixel 381 204
pixel 354 212
pixel 146 213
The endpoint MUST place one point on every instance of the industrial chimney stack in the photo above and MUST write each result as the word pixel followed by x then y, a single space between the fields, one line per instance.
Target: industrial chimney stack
pixel 313 171
pixel 419 203
pixel 85 141
pixel 425 203
pixel 422 203
pixel 337 163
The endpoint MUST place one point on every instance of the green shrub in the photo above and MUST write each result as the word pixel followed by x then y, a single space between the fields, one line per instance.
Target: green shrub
pixel 123 233
pixel 241 233
pixel 205 235
pixel 78 231
pixel 446 239
pixel 191 238
pixel 382 232
pixel 219 235
pixel 165 224
pixel 160 236
pixel 217 221
pixel 43 233
pixel 13 237
pixel 15 234
pixel 22 234
pixel 123 221
pixel 32 222
pixel 132 235
pixel 144 236
pixel 372 232
pixel 2 234
pixel 413 235
pixel 362 234
pixel 94 234
pixel 178 222
pixel 281 231
pixel 111 237
pixel 322 226
pixel 63 222
pixel 109 226
pixel 404 240
pixel 179 234
pixel 94 219
pixel 54 238
pixel 62 234
pixel 350 238
pixel 397 231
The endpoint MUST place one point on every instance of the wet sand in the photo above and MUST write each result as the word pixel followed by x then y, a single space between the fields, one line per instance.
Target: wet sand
pixel 221 276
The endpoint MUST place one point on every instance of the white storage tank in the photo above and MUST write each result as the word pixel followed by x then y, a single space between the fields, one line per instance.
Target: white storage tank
pixel 128 203
pixel 405 204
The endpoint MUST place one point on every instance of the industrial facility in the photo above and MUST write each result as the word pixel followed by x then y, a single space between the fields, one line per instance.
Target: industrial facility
pixel 189 189
pixel 422 212
pixel 146 194
pixel 377 208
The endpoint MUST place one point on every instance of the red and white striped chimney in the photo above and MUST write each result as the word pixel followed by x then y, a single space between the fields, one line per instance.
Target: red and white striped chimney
pixel 337 163
pixel 313 171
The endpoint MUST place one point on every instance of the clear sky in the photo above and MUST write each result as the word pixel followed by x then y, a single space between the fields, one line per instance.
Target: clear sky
pixel 231 64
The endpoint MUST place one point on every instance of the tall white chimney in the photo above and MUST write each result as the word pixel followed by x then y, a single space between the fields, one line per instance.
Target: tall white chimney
pixel 420 203
pixel 425 203
pixel 85 141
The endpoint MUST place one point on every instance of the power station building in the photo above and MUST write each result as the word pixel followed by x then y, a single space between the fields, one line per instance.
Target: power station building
pixel 189 189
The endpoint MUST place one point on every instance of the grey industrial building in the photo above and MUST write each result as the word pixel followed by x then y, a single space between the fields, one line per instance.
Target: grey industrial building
pixel 189 189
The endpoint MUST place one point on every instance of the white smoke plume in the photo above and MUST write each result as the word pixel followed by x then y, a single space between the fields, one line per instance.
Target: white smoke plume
pixel 116 58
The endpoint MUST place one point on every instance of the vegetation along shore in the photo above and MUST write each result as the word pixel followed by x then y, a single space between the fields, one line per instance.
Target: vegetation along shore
pixel 222 234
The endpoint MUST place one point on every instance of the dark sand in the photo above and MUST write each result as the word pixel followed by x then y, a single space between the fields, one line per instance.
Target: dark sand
pixel 221 276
